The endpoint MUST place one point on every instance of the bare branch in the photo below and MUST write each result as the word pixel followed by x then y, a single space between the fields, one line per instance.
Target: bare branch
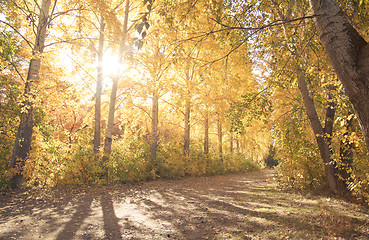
pixel 16 30
pixel 70 41
pixel 262 27
pixel 16 69
pixel 52 12
pixel 142 109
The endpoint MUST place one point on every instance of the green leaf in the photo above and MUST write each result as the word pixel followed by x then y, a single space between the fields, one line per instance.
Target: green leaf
pixel 140 27
pixel 147 25
pixel 139 44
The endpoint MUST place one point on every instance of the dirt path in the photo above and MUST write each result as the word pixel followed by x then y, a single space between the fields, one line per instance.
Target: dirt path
pixel 247 206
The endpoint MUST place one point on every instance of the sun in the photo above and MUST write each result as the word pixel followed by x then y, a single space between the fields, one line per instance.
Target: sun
pixel 111 65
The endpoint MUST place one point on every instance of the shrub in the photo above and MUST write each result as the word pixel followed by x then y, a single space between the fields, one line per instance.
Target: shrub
pixel 129 161
pixel 171 162
pixel 55 163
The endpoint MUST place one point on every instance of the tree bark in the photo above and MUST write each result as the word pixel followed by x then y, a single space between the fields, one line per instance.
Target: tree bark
pixel 231 142
pixel 113 95
pixel 154 126
pixel 97 131
pixel 186 144
pixel 220 138
pixel 349 55
pixel 22 144
pixel 238 145
pixel 206 134
pixel 324 150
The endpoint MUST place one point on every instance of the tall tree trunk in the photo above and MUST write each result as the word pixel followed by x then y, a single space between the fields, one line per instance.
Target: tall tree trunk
pixel 22 144
pixel 231 142
pixel 154 126
pixel 206 134
pixel 324 150
pixel 349 55
pixel 186 144
pixel 113 95
pixel 238 145
pixel 97 130
pixel 220 138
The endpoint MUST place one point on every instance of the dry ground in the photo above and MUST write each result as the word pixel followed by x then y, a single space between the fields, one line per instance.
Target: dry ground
pixel 247 206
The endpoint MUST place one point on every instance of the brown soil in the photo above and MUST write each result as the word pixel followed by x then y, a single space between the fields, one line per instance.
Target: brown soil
pixel 247 206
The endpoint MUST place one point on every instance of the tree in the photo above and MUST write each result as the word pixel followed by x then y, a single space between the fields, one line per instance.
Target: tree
pixel 220 136
pixel 23 139
pixel 206 133
pixel 9 94
pixel 189 77
pixel 321 133
pixel 99 80
pixel 349 55
pixel 156 60
pixel 113 94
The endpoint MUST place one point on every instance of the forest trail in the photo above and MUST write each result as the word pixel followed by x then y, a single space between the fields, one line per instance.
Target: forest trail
pixel 240 206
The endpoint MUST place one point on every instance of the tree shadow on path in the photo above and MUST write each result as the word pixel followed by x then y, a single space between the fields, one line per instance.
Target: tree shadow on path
pixel 247 206
pixel 111 222
pixel 74 224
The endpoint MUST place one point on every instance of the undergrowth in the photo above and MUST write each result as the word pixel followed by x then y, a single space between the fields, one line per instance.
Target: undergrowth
pixel 54 163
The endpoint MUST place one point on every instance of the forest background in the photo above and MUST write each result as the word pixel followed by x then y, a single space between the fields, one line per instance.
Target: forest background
pixel 98 91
